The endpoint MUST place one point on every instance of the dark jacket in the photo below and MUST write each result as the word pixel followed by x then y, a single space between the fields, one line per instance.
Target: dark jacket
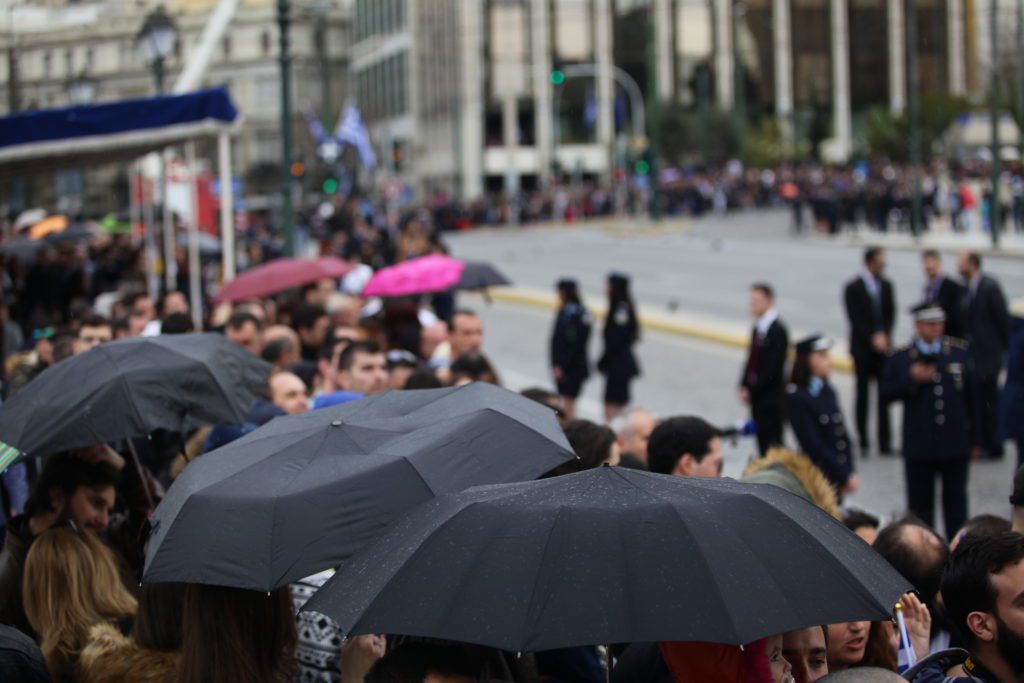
pixel 940 417
pixel 20 658
pixel 621 331
pixel 569 340
pixel 988 327
pixel 767 379
pixel 817 421
pixel 949 297
pixel 12 569
pixel 934 668
pixel 864 319
pixel 641 663
pixel 1011 402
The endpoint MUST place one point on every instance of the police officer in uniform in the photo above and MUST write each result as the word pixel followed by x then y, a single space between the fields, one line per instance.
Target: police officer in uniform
pixel 812 408
pixel 934 380
pixel 569 364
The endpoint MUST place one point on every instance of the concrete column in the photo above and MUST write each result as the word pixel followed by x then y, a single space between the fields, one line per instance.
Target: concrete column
pixel 783 46
pixel 841 78
pixel 605 85
pixel 541 58
pixel 227 207
pixel 509 127
pixel 897 31
pixel 471 136
pixel 663 47
pixel 955 33
pixel 724 75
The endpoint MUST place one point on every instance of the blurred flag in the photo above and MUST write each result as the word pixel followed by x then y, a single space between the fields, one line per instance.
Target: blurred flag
pixel 590 109
pixel 316 129
pixel 352 131
pixel 907 656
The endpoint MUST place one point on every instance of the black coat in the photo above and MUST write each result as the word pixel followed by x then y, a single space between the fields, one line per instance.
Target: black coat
pixel 950 297
pixel 817 421
pixel 569 341
pixel 940 417
pixel 769 381
pixel 864 322
pixel 621 331
pixel 988 327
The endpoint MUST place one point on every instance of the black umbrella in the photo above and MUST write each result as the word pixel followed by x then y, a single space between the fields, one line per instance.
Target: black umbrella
pixel 480 275
pixel 304 492
pixel 131 388
pixel 610 556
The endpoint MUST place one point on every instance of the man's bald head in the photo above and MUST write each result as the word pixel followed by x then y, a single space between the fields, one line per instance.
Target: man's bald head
pixel 917 552
pixel 277 332
pixel 288 392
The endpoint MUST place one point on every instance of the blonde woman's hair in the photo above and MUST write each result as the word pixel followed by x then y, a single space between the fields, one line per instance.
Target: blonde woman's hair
pixel 71 584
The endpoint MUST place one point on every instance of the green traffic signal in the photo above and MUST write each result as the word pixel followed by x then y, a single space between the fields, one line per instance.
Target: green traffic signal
pixel 557 77
pixel 642 167
pixel 330 186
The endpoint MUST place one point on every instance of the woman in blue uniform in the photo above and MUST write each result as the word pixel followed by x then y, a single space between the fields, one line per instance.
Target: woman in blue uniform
pixel 812 407
pixel 569 364
pixel 621 331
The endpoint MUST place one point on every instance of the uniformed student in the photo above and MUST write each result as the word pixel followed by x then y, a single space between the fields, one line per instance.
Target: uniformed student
pixel 621 332
pixel 813 411
pixel 933 379
pixel 569 365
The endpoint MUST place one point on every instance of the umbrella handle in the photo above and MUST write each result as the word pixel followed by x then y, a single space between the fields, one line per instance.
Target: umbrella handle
pixel 142 475
pixel 608 663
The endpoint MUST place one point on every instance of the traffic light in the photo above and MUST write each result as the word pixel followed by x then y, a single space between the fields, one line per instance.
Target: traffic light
pixel 298 168
pixel 331 185
pixel 557 77
pixel 642 167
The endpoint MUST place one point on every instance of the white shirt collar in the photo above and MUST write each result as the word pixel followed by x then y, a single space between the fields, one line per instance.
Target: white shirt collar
pixel 766 320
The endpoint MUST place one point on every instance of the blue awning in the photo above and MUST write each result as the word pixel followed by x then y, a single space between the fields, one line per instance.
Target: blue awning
pixel 73 137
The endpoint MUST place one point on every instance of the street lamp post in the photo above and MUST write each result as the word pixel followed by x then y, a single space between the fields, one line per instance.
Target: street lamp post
pixel 739 11
pixel 283 21
pixel 913 101
pixel 155 42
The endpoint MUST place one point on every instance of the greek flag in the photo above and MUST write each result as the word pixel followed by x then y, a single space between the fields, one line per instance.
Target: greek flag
pixel 907 656
pixel 352 131
pixel 316 129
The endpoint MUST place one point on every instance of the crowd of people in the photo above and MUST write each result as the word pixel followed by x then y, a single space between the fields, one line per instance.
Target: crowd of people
pixel 71 602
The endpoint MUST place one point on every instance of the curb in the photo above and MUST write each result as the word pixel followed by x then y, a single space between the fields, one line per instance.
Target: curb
pixel 841 360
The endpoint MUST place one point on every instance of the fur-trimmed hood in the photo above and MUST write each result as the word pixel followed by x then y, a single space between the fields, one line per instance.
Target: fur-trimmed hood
pixel 110 657
pixel 795 473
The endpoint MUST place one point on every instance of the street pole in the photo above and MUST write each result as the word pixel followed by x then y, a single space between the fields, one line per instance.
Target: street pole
pixel 1020 73
pixel 653 112
pixel 739 107
pixel 703 95
pixel 994 208
pixel 167 217
pixel 914 107
pixel 286 131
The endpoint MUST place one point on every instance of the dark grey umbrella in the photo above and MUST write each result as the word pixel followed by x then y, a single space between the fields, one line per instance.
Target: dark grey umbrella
pixel 131 388
pixel 480 275
pixel 610 556
pixel 304 492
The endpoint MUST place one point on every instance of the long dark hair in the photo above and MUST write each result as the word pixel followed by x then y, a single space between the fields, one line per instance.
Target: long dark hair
pixel 801 373
pixel 233 634
pixel 158 622
pixel 618 295
pixel 569 290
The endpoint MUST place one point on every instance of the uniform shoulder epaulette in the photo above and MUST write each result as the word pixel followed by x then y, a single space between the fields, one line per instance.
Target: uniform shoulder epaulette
pixel 790 388
pixel 957 343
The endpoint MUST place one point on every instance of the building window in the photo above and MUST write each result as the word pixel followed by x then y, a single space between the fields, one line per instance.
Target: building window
pixel 69 62
pixel 225 46
pixel 90 58
pixel 265 42
pixel 47 64
pixel 267 93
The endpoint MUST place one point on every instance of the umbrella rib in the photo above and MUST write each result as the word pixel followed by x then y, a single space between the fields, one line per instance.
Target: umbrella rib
pixel 212 375
pixel 531 615
pixel 703 560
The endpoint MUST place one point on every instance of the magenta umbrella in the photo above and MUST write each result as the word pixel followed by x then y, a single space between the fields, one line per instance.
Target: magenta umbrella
pixel 280 275
pixel 430 274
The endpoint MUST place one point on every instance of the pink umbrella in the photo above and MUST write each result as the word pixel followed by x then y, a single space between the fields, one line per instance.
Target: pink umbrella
pixel 422 275
pixel 280 275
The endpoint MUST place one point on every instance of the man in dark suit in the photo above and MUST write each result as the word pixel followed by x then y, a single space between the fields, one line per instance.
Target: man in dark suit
pixel 763 383
pixel 944 292
pixel 871 309
pixel 988 332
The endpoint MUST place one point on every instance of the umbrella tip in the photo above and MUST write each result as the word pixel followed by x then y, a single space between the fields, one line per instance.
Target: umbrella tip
pixel 336 423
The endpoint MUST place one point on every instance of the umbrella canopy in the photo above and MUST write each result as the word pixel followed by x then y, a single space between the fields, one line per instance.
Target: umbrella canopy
pixel 48 226
pixel 304 492
pixel 430 274
pixel 280 275
pixel 611 556
pixel 130 388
